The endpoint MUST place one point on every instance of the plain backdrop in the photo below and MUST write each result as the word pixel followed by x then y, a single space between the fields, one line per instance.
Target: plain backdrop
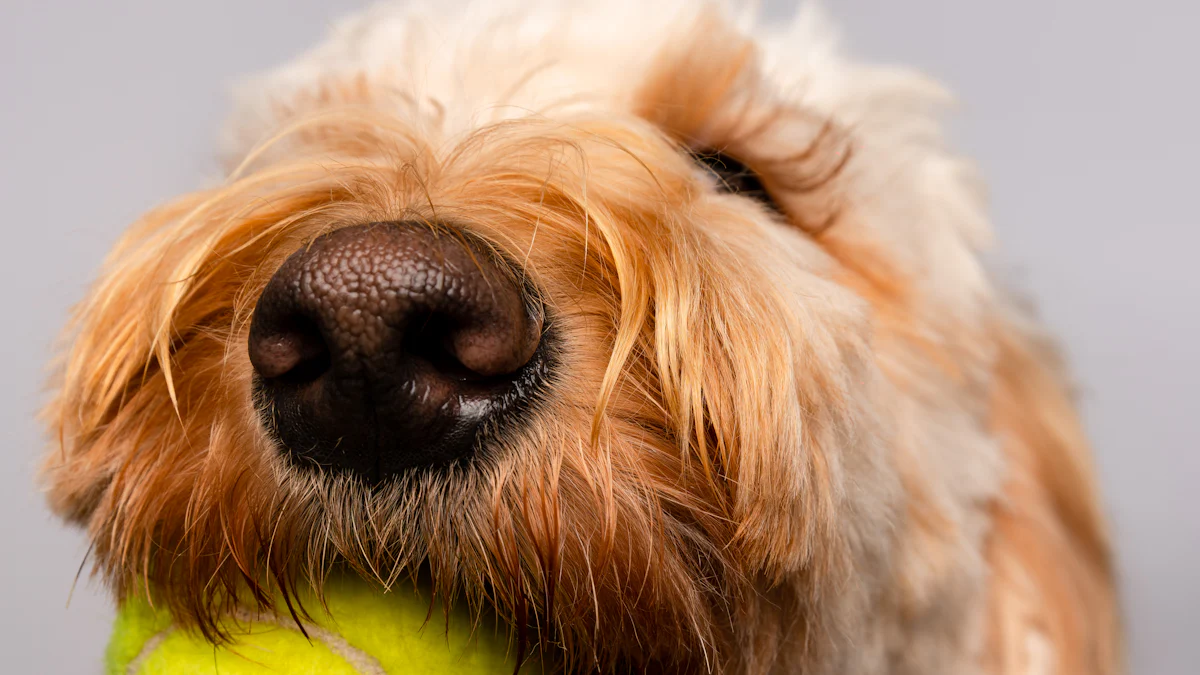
pixel 1082 114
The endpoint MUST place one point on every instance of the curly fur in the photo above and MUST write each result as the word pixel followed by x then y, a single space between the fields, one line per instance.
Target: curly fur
pixel 819 443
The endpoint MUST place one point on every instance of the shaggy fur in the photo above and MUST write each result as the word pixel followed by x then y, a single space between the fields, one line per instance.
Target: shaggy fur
pixel 820 441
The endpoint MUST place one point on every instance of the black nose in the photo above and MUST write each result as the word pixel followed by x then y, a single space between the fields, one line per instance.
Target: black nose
pixel 389 346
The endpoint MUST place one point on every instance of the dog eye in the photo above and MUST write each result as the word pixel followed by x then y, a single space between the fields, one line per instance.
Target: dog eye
pixel 735 177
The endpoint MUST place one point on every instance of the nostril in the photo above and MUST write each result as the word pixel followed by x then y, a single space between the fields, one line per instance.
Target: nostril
pixel 291 350
pixel 435 341
pixel 428 340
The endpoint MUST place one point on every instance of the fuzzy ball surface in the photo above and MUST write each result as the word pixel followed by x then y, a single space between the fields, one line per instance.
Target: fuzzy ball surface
pixel 365 632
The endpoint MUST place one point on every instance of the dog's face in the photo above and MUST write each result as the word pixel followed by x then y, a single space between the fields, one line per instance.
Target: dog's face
pixel 573 317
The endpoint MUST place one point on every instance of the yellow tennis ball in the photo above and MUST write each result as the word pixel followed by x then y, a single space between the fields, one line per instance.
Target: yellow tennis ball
pixel 365 632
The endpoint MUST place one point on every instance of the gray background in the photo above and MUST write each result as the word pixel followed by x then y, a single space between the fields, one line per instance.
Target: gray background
pixel 1083 115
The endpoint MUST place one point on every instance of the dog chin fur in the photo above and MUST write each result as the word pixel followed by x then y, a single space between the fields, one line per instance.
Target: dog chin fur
pixel 823 442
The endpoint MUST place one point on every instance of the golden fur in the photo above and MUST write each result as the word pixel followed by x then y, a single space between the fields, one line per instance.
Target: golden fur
pixel 822 443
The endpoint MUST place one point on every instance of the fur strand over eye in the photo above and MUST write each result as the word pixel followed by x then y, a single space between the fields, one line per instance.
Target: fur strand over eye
pixel 735 177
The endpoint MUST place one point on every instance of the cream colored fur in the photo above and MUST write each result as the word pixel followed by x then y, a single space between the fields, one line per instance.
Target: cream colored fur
pixel 870 479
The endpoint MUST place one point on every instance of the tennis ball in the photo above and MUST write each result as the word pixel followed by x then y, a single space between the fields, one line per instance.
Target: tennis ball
pixel 365 632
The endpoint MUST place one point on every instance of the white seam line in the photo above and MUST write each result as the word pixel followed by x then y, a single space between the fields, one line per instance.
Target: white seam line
pixel 360 660
pixel 148 649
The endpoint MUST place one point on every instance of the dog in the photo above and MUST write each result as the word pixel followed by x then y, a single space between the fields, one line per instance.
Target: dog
pixel 662 335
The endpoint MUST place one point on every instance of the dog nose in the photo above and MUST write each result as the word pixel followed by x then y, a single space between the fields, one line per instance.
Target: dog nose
pixel 389 346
